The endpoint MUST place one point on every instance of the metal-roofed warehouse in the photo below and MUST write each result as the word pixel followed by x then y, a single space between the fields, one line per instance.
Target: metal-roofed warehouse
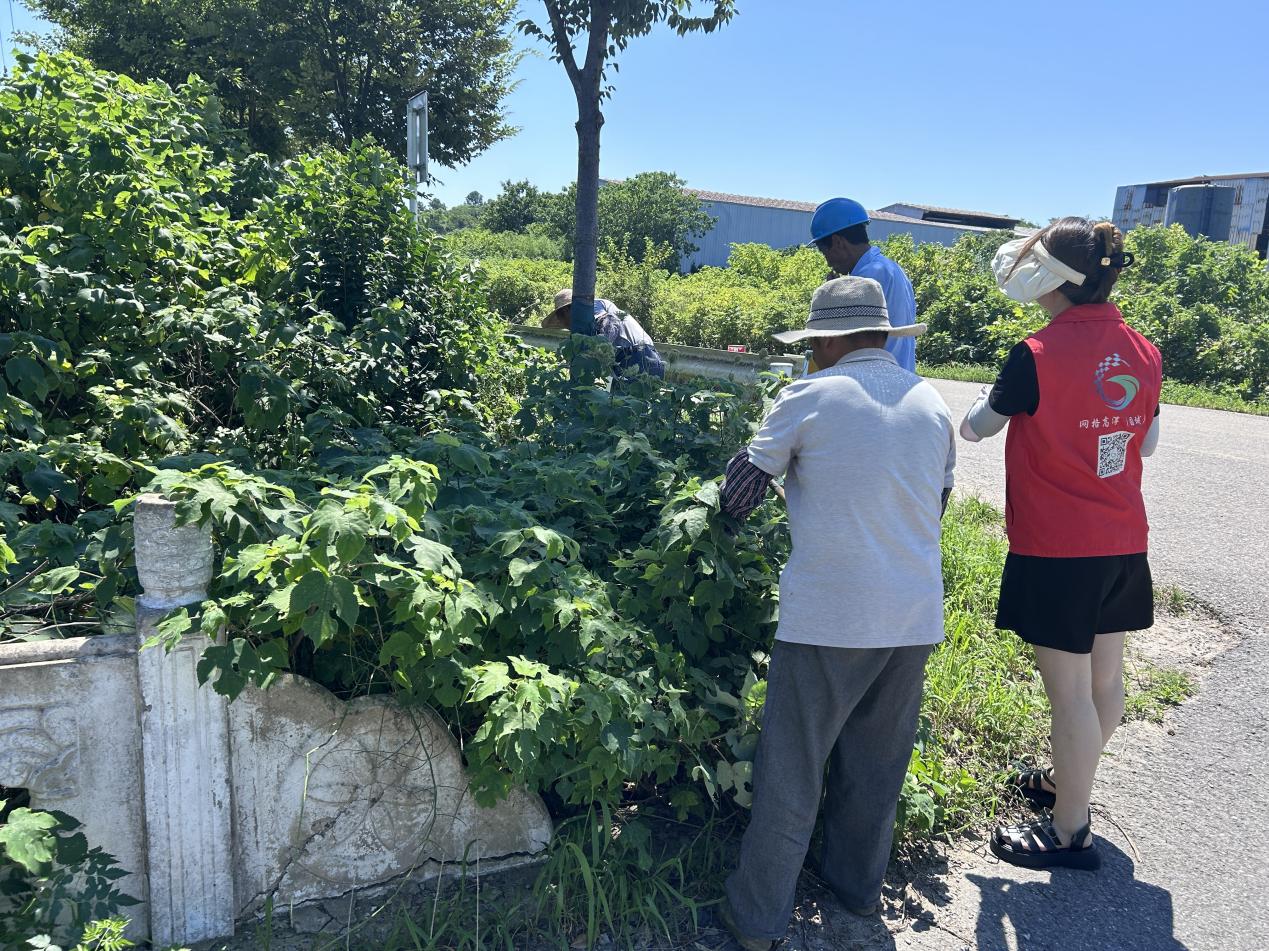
pixel 778 223
pixel 1233 208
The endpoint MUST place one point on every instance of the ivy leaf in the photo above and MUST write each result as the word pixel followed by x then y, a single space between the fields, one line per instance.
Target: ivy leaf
pixel 430 555
pixel 333 520
pixel 316 597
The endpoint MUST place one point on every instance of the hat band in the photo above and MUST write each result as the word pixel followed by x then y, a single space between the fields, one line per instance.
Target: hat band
pixel 850 310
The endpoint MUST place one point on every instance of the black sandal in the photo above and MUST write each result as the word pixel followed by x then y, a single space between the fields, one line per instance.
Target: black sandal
pixel 1030 783
pixel 1036 845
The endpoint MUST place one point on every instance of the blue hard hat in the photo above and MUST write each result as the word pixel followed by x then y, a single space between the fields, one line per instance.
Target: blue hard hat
pixel 835 215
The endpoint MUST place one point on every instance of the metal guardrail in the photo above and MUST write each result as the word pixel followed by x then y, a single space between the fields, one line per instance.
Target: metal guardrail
pixel 683 361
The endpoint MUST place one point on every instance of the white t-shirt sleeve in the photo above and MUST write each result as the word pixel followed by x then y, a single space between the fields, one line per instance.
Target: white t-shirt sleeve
pixel 777 441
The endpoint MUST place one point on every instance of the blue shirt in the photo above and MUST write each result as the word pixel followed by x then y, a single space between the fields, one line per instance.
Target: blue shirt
pixel 900 302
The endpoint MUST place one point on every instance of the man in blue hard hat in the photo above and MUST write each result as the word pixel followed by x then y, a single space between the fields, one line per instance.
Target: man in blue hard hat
pixel 840 230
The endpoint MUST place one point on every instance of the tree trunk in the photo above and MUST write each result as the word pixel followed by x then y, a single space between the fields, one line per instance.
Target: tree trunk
pixel 586 240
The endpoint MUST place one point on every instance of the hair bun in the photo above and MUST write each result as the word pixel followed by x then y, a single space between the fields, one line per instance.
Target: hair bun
pixel 1112 240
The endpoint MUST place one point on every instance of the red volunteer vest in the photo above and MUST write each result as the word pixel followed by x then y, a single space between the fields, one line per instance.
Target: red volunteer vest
pixel 1073 470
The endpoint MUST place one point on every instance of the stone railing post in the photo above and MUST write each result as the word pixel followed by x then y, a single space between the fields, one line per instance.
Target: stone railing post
pixel 185 741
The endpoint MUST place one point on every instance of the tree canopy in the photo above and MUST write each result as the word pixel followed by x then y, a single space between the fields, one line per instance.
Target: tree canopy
pixel 293 74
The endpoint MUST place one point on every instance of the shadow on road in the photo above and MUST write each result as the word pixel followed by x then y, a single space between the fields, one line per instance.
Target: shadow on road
pixel 1077 910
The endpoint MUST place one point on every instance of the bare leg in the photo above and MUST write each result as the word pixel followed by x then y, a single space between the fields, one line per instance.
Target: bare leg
pixel 1077 735
pixel 1108 682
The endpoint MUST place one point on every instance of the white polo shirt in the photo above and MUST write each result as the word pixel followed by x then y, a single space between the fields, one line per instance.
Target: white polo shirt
pixel 868 448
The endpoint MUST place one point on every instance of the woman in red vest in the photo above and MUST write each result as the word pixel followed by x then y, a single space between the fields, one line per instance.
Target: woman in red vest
pixel 1081 398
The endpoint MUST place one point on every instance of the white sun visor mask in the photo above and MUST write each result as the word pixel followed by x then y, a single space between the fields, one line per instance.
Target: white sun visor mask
pixel 1030 278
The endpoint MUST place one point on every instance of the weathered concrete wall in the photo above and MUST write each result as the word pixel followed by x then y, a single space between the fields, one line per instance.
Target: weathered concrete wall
pixel 70 734
pixel 287 795
pixel 330 797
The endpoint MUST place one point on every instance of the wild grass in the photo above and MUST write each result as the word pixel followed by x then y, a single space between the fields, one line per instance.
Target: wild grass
pixel 1153 691
pixel 985 708
pixel 609 880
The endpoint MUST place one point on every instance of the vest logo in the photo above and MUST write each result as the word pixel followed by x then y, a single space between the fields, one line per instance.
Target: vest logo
pixel 1125 381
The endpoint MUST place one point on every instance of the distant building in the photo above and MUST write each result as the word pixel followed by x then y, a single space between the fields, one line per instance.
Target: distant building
pixel 742 219
pixel 1233 208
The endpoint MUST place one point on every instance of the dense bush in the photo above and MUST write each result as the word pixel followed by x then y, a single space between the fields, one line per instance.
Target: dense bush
pixel 532 245
pixel 1205 304
pixel 648 211
pixel 401 501
pixel 163 296
pixel 523 290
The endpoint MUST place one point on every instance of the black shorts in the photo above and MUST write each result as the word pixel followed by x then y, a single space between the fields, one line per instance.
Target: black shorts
pixel 1063 603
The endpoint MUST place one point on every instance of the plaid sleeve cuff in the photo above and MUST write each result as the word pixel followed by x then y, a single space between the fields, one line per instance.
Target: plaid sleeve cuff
pixel 744 488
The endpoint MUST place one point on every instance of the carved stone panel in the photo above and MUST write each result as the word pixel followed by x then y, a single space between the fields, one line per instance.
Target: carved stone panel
pixel 331 797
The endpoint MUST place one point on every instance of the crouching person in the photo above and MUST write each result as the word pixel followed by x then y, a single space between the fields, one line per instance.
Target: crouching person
pixel 633 347
pixel 867 449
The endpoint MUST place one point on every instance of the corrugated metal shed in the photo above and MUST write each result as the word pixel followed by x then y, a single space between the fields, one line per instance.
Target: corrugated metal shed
pixel 1146 204
pixel 781 223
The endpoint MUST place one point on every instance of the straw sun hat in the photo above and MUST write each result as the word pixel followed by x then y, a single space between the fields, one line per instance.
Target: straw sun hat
pixel 848 305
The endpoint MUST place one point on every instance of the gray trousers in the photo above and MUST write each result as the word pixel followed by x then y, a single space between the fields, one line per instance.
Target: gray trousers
pixel 856 711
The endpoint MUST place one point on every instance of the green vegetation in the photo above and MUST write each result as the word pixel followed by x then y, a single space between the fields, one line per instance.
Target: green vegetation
pixel 1153 690
pixel 165 301
pixel 1205 304
pixel 53 886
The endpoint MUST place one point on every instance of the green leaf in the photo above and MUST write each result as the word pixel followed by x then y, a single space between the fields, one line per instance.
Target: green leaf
pixel 695 523
pixel 430 555
pixel 491 679
pixel 55 582
pixel 28 839
pixel 314 598
pixel 333 520
pixel 520 569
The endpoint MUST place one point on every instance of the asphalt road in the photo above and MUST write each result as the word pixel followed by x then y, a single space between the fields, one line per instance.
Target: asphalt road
pixel 1187 837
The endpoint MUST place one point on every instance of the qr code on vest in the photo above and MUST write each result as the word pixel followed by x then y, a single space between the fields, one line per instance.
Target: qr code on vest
pixel 1112 450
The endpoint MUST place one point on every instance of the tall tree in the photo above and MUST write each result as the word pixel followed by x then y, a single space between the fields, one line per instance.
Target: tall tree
pixel 517 206
pixel 296 73
pixel 606 27
pixel 651 207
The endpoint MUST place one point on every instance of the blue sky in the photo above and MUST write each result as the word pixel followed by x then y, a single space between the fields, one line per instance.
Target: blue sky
pixel 1032 109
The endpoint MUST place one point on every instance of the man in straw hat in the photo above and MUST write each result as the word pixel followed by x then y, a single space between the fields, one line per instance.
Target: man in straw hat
pixel 868 449
pixel 634 347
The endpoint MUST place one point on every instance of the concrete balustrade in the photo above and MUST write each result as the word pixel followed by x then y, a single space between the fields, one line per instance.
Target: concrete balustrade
pixel 218 810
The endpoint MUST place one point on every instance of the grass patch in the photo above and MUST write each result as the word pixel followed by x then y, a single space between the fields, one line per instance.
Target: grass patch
pixel 1172 600
pixel 965 372
pixel 631 880
pixel 985 707
pixel 1153 691
pixel 1175 394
